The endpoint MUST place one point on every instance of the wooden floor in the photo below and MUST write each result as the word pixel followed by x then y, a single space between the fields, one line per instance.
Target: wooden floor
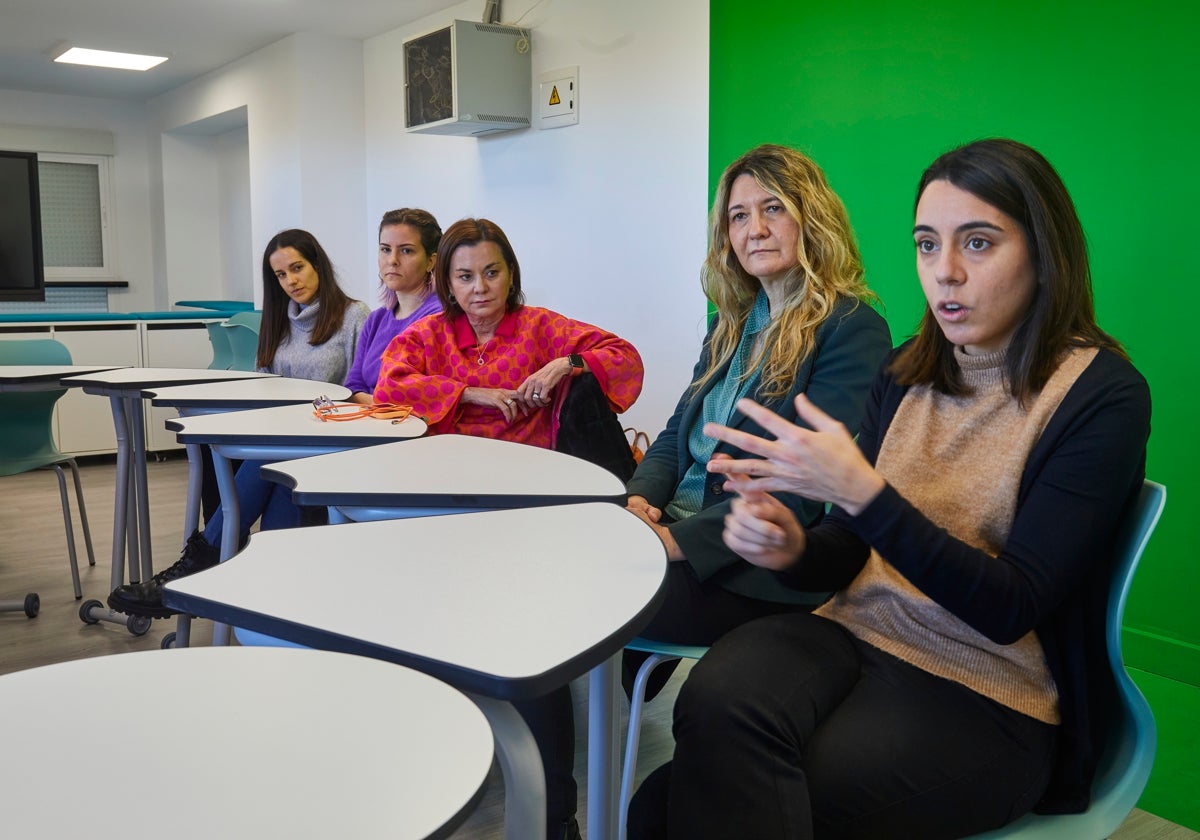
pixel 33 559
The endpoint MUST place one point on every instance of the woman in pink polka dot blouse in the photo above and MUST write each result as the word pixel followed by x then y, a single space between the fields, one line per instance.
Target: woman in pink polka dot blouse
pixel 489 365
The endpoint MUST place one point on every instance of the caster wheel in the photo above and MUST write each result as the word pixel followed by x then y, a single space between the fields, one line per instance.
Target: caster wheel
pixel 138 625
pixel 85 611
pixel 32 605
pixel 168 641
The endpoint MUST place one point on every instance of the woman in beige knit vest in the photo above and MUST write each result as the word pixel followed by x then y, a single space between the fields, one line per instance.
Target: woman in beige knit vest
pixel 955 679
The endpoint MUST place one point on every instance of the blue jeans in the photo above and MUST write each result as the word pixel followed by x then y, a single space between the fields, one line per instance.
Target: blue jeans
pixel 256 498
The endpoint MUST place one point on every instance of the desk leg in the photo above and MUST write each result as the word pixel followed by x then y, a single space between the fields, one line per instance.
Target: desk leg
pixel 121 503
pixel 521 764
pixel 603 749
pixel 231 512
pixel 137 420
pixel 191 514
pixel 124 542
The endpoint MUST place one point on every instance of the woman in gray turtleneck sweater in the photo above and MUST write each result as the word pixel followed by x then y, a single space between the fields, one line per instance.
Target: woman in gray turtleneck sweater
pixel 309 331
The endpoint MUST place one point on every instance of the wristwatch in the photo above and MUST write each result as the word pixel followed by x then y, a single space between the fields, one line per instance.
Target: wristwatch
pixel 576 362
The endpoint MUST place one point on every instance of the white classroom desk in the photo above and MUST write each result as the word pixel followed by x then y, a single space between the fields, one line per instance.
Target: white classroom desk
pixel 232 395
pixel 448 474
pixel 272 434
pixel 264 742
pixel 503 604
pixel 43 377
pixel 131 522
pixel 443 474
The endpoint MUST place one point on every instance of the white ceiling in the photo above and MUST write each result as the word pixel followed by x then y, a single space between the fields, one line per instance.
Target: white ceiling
pixel 197 36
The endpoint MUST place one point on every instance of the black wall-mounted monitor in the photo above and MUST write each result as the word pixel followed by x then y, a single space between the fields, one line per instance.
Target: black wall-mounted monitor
pixel 21 273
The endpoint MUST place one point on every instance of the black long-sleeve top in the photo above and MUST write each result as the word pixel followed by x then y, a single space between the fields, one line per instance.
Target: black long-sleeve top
pixel 1052 575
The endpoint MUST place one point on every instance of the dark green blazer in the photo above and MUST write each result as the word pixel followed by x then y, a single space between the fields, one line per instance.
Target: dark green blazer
pixel 836 376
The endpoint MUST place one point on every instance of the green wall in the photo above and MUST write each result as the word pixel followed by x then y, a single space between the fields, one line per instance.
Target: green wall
pixel 875 90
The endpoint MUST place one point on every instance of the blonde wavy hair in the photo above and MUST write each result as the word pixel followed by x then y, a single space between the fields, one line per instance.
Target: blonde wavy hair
pixel 828 267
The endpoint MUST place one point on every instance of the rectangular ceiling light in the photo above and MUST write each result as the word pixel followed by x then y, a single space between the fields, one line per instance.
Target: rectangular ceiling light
pixel 103 58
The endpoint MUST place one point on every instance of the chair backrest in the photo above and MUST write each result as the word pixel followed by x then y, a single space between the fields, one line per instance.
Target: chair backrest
pixel 1124 766
pixel 251 318
pixel 218 337
pixel 242 331
pixel 26 418
pixel 34 351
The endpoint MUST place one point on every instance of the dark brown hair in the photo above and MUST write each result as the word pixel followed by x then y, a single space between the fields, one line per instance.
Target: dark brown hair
pixel 1019 182
pixel 472 232
pixel 427 228
pixel 333 300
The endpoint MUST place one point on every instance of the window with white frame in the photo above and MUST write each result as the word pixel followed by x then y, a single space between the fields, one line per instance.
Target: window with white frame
pixel 76 218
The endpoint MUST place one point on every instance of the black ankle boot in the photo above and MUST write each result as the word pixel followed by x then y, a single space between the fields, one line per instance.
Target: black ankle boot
pixel 145 598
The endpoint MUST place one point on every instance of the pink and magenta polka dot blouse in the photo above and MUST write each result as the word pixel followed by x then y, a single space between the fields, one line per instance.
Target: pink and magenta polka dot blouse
pixel 430 364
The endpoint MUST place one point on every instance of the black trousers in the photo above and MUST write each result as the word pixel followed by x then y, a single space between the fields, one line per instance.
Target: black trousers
pixel 792 728
pixel 694 613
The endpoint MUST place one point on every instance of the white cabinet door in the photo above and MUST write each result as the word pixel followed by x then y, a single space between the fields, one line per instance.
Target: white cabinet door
pixel 171 344
pixel 85 424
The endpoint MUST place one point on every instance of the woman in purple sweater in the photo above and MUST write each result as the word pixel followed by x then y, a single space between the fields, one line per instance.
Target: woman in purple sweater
pixel 408 241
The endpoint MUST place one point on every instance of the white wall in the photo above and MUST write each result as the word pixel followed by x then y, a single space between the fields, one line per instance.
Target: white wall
pixel 303 100
pixel 130 176
pixel 608 216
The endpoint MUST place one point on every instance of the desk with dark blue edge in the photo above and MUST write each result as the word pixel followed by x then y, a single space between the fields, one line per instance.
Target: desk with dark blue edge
pixel 233 395
pixel 443 474
pixel 131 521
pixel 265 742
pixel 503 605
pixel 272 434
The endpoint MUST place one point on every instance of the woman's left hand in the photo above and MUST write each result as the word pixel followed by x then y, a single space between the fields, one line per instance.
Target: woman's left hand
pixel 538 390
pixel 821 463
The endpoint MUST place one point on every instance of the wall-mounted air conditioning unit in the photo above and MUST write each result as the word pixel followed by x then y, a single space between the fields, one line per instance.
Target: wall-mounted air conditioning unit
pixel 467 78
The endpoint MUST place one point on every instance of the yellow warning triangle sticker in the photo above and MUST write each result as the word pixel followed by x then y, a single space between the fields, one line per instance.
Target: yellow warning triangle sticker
pixel 554 100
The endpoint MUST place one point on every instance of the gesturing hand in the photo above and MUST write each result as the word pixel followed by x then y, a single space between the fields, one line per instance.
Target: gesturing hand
pixel 820 463
pixel 762 530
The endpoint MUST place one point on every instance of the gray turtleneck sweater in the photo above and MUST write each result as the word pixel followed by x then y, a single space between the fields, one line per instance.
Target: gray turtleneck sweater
pixel 327 362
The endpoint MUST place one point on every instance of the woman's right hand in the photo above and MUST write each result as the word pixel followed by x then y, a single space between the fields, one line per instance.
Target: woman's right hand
pixel 505 401
pixel 762 530
pixel 643 508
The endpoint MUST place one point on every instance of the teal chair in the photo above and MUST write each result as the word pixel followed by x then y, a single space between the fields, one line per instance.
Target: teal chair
pixel 218 337
pixel 1125 764
pixel 660 652
pixel 242 329
pixel 26 429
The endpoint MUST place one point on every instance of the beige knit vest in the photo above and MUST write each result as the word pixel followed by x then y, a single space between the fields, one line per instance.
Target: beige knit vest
pixel 959 460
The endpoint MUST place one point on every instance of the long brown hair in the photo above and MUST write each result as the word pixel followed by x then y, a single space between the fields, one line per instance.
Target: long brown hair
pixel 829 267
pixel 275 327
pixel 1019 182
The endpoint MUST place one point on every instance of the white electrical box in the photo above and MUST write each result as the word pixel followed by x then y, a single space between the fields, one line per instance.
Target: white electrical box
pixel 468 78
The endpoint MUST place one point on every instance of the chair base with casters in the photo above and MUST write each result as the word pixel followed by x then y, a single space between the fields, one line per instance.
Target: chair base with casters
pixel 83 520
pixel 1125 764
pixel 660 652
pixel 30 605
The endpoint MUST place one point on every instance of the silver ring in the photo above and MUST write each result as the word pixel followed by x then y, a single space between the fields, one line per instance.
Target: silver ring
pixel 508 402
pixel 536 395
